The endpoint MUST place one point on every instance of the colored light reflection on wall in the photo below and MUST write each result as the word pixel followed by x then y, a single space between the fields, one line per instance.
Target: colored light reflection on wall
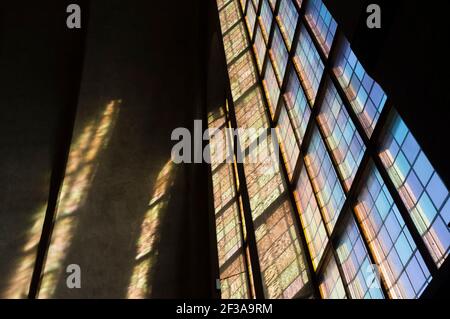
pixel 146 250
pixel 19 284
pixel 80 172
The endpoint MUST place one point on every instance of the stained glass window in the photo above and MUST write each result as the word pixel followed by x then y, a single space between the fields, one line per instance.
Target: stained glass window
pixel 271 87
pixel 279 54
pixel 260 48
pixel 401 265
pixel 309 65
pixel 242 74
pixel 297 105
pixel 331 285
pixel 266 18
pixel 316 235
pixel 324 180
pixel 360 274
pixel 290 148
pixel 322 24
pixel 235 42
pixel 365 95
pixel 420 187
pixel 229 15
pixel 345 143
pixel 348 217
pixel 287 17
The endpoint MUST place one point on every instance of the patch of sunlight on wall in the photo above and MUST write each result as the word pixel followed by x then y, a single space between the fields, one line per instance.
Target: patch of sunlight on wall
pixel 80 171
pixel 19 284
pixel 146 251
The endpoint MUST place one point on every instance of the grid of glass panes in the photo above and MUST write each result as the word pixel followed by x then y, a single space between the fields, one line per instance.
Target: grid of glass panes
pixel 259 47
pixel 365 95
pixel 359 273
pixel 324 179
pixel 230 242
pixel 331 285
pixel 290 148
pixel 322 24
pixel 402 267
pixel 348 93
pixel 271 87
pixel 281 256
pixel 297 105
pixel 309 65
pixel 316 235
pixel 279 54
pixel 287 17
pixel 266 18
pixel 235 42
pixel 250 18
pixel 282 260
pixel 343 140
pixel 420 187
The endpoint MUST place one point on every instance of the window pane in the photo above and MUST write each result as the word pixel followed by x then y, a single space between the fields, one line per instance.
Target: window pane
pixel 242 75
pixel 360 274
pixel 309 65
pixel 297 105
pixel 260 48
pixel 282 261
pixel 322 24
pixel 331 285
pixel 316 235
pixel 420 187
pixel 251 118
pixel 235 42
pixel 401 265
pixel 266 19
pixel 229 15
pixel 271 86
pixel 279 55
pixel 251 18
pixel 288 17
pixel 324 180
pixel 233 272
pixel 290 148
pixel 365 95
pixel 341 135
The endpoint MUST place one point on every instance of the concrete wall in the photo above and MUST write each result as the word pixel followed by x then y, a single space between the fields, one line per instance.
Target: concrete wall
pixel 40 62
